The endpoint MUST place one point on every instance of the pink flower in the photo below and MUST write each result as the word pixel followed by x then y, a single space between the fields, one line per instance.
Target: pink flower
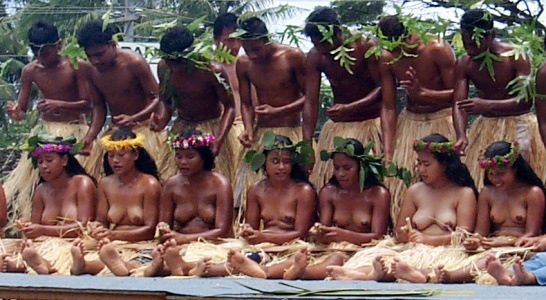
pixel 492 163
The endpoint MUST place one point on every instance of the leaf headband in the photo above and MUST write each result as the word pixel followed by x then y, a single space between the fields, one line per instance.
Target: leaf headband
pixel 300 153
pixel 130 143
pixel 194 141
pixel 437 147
pixel 369 164
pixel 42 143
pixel 499 162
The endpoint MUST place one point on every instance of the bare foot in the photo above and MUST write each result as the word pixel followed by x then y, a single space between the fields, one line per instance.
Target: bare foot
pixel 497 270
pixel 157 261
pixel 173 259
pixel 10 265
pixel 201 268
pixel 243 264
pixel 109 256
pixel 78 260
pixel 299 264
pixel 33 259
pixel 437 275
pixel 380 271
pixel 521 276
pixel 340 273
pixel 402 270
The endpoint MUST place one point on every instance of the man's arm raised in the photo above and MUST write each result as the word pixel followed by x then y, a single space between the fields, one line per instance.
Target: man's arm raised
pixel 17 110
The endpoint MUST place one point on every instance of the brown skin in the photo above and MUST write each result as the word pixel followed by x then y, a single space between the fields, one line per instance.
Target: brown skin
pixel 540 103
pixel 513 208
pixel 199 97
pixel 357 97
pixel 121 79
pixel 60 201
pixel 435 206
pixel 349 214
pixel 198 200
pixel 63 90
pixel 280 95
pixel 493 99
pixel 285 207
pixel 234 46
pixel 427 78
pixel 127 200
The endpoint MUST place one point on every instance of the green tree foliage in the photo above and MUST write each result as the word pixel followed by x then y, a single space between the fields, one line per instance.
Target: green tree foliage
pixel 358 12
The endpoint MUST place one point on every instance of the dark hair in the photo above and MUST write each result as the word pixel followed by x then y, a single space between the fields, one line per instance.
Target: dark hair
pixel 455 170
pixel 41 33
pixel 176 39
pixel 524 172
pixel 391 27
pixel 297 174
pixel 91 34
pixel 323 16
pixel 255 28
pixel 204 151
pixel 371 179
pixel 476 18
pixel 144 162
pixel 73 167
pixel 225 20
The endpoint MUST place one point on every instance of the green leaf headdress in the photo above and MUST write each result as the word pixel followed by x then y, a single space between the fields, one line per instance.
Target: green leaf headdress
pixel 369 164
pixel 300 153
pixel 43 142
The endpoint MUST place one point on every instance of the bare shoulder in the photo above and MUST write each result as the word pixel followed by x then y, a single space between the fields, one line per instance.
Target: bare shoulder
pixel 467 193
pixel 106 182
pixel 535 191
pixel 218 179
pixel 435 45
pixel 242 61
pixel 486 192
pixel 380 193
pixel 30 67
pixel 131 58
pixel 416 188
pixel 306 188
pixel 150 181
pixel 82 181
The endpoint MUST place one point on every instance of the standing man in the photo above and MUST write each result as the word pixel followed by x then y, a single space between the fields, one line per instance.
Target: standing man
pixel 357 94
pixel 502 116
pixel 277 72
pixel 200 100
pixel 425 70
pixel 122 80
pixel 62 104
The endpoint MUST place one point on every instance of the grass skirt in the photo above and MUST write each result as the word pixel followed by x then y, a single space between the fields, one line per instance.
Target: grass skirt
pixel 154 142
pixel 412 126
pixel 225 161
pixel 422 256
pixel 245 176
pixel 19 185
pixel 522 128
pixel 363 131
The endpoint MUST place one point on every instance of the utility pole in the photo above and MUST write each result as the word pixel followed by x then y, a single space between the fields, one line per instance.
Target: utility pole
pixel 129 27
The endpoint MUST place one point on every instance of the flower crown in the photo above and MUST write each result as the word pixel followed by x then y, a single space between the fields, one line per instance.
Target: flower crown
pixel 131 143
pixel 369 164
pixel 43 142
pixel 300 153
pixel 194 141
pixel 437 147
pixel 498 161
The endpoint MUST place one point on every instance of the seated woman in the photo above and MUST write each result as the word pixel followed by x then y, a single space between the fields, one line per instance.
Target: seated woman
pixel 285 203
pixel 63 201
pixel 510 207
pixel 128 201
pixel 195 203
pixel 354 205
pixel 443 199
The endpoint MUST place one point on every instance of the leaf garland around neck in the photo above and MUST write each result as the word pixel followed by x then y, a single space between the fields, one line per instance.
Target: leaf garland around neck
pixel 488 58
pixel 300 153
pixel 368 163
